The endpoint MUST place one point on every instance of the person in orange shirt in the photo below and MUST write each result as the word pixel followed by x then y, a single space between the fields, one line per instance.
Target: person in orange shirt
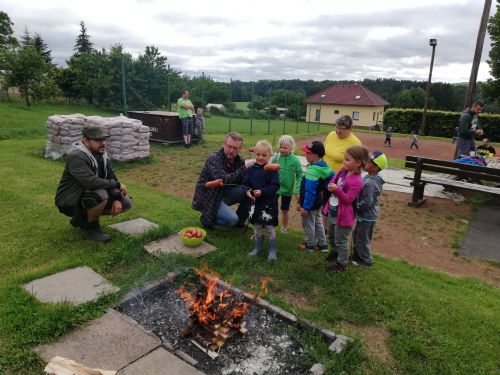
pixel 338 141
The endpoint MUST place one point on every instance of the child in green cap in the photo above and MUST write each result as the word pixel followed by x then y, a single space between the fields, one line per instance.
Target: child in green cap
pixel 368 208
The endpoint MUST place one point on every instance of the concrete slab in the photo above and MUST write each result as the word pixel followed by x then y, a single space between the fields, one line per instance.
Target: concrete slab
pixel 483 234
pixel 159 362
pixel 76 286
pixel 174 244
pixel 134 226
pixel 111 342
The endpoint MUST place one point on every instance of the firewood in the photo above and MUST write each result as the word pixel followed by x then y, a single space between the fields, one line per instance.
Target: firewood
pixel 209 352
pixel 64 366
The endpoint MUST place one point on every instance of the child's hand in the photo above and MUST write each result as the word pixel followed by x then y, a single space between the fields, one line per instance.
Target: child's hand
pixel 296 197
pixel 298 207
pixel 250 195
pixel 303 212
pixel 257 193
pixel 332 187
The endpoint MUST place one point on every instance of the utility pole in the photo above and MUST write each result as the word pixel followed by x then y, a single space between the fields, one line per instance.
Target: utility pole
pixel 477 54
pixel 433 44
pixel 124 90
pixel 169 105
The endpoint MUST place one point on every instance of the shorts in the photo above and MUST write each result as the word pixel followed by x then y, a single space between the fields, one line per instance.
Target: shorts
pixel 285 202
pixel 187 125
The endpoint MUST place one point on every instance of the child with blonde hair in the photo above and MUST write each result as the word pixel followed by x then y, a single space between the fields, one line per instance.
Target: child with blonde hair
pixel 340 206
pixel 290 175
pixel 199 124
pixel 263 186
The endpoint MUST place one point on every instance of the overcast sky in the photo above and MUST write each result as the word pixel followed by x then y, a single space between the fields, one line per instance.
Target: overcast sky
pixel 256 39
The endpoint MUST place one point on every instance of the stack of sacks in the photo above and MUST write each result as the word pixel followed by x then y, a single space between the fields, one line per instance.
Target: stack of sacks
pixel 63 130
pixel 128 138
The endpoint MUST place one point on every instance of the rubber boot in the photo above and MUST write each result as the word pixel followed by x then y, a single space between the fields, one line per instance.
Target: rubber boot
pixel 93 232
pixel 272 250
pixel 79 222
pixel 258 246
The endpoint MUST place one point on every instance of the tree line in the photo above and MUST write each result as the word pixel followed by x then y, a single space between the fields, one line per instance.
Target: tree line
pixel 94 76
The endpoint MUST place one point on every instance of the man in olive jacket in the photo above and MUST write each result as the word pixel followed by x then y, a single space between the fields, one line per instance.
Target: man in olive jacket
pixel 89 187
pixel 468 129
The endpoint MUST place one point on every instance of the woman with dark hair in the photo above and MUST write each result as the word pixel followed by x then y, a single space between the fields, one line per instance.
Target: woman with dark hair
pixel 338 141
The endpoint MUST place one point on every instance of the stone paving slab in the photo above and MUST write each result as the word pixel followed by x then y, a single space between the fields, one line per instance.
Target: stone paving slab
pixel 111 342
pixel 160 362
pixel 134 226
pixel 174 243
pixel 77 285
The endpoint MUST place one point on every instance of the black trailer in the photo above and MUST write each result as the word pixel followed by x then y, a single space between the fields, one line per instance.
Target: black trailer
pixel 165 127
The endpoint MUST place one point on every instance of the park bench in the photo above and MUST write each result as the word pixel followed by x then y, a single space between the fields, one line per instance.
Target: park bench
pixel 449 175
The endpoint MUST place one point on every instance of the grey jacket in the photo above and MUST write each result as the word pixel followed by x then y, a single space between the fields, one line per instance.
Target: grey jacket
pixel 82 173
pixel 368 204
pixel 468 124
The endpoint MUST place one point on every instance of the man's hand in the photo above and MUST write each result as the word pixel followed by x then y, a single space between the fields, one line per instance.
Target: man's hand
pixel 479 132
pixel 116 208
pixel 303 212
pixel 257 193
pixel 123 189
pixel 250 195
pixel 249 163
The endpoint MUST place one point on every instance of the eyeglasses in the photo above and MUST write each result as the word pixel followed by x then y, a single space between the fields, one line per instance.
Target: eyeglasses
pixel 100 140
pixel 337 127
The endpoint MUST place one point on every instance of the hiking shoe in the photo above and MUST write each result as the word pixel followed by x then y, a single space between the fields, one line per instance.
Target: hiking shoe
pixel 95 234
pixel 361 264
pixel 336 268
pixel 78 222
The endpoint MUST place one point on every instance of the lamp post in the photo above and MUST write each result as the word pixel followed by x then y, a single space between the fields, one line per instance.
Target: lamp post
pixel 321 97
pixel 433 43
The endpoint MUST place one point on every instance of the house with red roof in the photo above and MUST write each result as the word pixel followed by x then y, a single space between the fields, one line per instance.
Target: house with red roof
pixel 364 106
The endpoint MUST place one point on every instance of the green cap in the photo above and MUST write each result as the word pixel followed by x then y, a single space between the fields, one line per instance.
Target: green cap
pixel 94 132
pixel 379 159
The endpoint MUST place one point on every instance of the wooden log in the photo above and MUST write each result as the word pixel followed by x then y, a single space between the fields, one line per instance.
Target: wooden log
pixel 209 352
pixel 64 366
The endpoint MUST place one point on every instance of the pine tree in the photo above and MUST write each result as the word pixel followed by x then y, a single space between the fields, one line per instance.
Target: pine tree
pixel 491 89
pixel 42 48
pixel 83 43
pixel 6 34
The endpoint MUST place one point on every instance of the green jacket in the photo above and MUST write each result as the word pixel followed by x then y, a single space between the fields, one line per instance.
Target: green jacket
pixel 290 174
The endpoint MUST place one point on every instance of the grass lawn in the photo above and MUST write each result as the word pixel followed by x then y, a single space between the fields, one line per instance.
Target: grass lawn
pixel 436 323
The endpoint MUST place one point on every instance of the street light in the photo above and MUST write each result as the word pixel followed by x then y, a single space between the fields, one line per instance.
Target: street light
pixel 433 43
pixel 321 97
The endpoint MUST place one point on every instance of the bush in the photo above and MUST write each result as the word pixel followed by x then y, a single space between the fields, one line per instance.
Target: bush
pixel 437 123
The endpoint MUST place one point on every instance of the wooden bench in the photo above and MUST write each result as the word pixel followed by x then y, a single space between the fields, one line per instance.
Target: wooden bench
pixel 449 174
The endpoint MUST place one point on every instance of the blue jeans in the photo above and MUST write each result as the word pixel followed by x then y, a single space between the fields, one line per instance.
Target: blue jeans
pixel 226 217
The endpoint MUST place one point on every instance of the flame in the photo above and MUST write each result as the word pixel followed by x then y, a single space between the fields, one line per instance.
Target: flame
pixel 212 303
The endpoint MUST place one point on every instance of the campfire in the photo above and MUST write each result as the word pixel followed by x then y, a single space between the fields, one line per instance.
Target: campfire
pixel 216 313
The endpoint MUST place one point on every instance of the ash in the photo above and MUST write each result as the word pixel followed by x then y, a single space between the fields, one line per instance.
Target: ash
pixel 267 348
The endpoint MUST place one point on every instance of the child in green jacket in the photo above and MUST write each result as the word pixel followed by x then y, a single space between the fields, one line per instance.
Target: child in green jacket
pixel 290 175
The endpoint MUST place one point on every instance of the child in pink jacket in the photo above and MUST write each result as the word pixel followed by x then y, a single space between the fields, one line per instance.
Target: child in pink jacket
pixel 340 206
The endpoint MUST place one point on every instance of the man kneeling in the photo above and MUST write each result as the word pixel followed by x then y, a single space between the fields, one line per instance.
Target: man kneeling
pixel 89 187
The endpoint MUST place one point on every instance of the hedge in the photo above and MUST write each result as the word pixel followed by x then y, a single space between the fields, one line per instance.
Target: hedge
pixel 437 123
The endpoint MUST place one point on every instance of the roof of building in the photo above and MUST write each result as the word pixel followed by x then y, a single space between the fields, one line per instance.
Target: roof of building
pixel 347 94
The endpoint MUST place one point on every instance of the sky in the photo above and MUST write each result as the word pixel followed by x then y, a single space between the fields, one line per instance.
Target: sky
pixel 280 39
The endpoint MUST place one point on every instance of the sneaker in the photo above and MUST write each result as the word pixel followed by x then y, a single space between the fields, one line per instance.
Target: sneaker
pixel 336 268
pixel 323 248
pixel 304 246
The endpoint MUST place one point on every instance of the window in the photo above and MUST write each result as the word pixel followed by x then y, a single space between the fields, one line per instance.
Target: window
pixel 355 115
pixel 336 112
pixel 318 112
pixel 373 116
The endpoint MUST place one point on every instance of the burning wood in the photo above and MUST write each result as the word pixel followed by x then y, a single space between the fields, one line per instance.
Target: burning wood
pixel 216 314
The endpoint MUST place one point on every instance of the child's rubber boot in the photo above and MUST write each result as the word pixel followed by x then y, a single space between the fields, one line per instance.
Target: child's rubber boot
pixel 272 250
pixel 258 246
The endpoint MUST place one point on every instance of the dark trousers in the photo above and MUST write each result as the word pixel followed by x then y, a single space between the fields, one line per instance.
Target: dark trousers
pixel 362 240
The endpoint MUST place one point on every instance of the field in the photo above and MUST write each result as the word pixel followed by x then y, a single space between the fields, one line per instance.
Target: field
pixel 404 318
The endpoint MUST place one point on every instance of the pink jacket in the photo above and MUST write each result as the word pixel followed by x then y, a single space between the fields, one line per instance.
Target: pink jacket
pixel 353 184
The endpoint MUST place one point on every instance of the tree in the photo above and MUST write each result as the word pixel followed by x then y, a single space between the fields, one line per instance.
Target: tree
pixel 25 68
pixel 42 48
pixel 491 89
pixel 6 34
pixel 83 43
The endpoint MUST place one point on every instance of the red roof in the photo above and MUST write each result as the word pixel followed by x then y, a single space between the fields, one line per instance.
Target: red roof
pixel 347 94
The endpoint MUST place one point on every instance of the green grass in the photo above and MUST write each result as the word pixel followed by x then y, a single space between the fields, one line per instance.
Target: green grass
pixel 242 105
pixel 438 324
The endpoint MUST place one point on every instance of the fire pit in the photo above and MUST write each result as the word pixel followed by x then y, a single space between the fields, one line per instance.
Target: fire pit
pixel 218 330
